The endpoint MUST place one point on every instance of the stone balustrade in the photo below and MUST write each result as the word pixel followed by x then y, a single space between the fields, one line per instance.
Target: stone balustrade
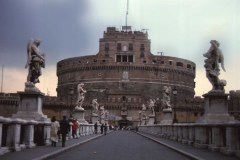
pixel 17 134
pixel 222 137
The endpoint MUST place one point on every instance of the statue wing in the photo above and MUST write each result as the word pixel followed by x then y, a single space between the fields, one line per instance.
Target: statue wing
pixel 29 51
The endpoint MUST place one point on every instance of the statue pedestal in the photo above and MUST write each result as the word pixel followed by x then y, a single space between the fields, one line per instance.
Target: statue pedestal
pixel 151 120
pixel 79 115
pixel 167 116
pixel 94 118
pixel 30 107
pixel 144 121
pixel 216 109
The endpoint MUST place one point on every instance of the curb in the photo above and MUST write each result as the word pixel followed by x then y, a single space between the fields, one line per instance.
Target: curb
pixel 171 147
pixel 65 149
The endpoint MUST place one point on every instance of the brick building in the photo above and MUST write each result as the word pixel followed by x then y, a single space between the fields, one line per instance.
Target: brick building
pixel 124 74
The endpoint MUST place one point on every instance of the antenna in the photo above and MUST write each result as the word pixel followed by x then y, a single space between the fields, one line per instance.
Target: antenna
pixel 2 78
pixel 126 15
pixel 126 27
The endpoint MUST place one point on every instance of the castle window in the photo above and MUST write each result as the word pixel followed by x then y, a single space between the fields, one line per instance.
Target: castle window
pixel 119 58
pixel 119 47
pixel 142 55
pixel 124 98
pixel 130 58
pixel 142 48
pixel 124 58
pixel 180 64
pixel 130 47
pixel 189 66
pixel 106 46
pixel 170 62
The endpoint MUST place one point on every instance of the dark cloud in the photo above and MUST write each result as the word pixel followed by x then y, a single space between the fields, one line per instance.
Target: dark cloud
pixel 60 24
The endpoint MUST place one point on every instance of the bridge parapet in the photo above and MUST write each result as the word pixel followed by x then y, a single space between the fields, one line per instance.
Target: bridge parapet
pixel 222 137
pixel 17 134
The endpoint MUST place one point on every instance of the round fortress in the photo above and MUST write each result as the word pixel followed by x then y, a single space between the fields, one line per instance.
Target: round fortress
pixel 124 74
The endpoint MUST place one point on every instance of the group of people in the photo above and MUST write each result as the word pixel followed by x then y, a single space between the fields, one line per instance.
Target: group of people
pixel 103 128
pixel 62 129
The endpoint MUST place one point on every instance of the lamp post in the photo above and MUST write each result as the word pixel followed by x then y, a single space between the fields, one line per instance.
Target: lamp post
pixel 174 108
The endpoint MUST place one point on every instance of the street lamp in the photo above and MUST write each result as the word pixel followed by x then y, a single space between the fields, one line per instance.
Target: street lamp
pixel 174 108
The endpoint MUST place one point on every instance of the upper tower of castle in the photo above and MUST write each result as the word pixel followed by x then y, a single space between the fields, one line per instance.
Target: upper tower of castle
pixel 125 45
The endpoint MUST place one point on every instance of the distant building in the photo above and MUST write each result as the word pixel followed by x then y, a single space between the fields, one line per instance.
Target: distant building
pixel 124 74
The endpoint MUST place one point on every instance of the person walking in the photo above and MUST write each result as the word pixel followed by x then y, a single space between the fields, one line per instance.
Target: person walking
pixel 102 127
pixel 95 128
pixel 105 128
pixel 64 129
pixel 74 128
pixel 54 131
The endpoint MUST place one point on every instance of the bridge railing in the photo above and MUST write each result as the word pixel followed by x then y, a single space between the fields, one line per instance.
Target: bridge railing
pixel 224 138
pixel 17 134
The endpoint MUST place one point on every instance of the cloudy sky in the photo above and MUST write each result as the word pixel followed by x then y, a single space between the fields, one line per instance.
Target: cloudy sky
pixel 71 28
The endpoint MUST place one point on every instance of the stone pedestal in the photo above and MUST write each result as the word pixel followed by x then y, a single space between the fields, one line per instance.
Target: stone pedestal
pixel 30 107
pixel 167 116
pixel 79 115
pixel 94 118
pixel 216 109
pixel 144 121
pixel 151 119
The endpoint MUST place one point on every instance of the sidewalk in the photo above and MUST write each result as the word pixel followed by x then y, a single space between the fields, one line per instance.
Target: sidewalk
pixel 188 150
pixel 43 152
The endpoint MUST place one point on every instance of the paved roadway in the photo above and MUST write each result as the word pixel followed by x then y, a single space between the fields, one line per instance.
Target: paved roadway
pixel 121 145
pixel 117 145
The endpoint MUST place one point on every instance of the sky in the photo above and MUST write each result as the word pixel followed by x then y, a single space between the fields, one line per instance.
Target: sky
pixel 72 28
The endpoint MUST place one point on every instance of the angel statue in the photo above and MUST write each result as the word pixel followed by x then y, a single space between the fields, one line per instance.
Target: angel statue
pixel 81 95
pixel 214 57
pixel 95 106
pixel 151 104
pixel 166 97
pixel 35 61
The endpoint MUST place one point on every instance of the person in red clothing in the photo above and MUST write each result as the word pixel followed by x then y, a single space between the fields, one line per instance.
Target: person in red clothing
pixel 74 128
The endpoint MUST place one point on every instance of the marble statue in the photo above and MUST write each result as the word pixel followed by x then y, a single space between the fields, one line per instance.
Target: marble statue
pixel 144 108
pixel 151 104
pixel 102 113
pixel 81 95
pixel 95 106
pixel 214 57
pixel 166 98
pixel 35 61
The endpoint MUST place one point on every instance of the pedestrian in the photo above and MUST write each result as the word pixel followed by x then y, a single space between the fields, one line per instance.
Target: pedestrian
pixel 105 128
pixel 54 131
pixel 95 127
pixel 64 129
pixel 74 128
pixel 102 127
